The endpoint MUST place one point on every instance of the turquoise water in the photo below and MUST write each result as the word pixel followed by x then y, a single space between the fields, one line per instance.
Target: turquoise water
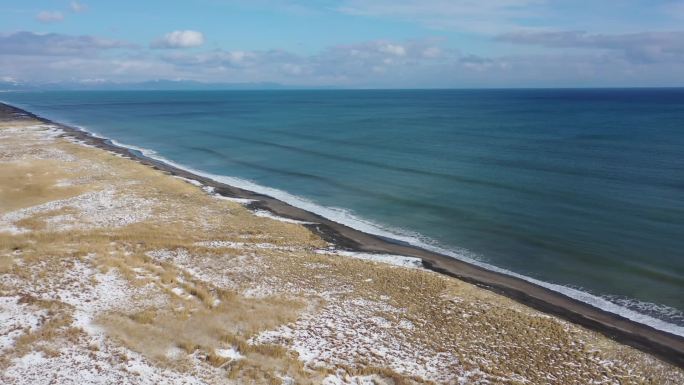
pixel 579 188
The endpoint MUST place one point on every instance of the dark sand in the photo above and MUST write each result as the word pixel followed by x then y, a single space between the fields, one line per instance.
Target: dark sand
pixel 666 346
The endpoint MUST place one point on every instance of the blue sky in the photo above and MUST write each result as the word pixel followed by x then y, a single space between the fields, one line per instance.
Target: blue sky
pixel 347 43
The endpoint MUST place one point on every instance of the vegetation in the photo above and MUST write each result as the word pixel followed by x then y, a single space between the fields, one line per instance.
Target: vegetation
pixel 263 292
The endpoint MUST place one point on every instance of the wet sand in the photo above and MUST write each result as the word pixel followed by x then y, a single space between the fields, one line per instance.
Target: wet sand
pixel 665 345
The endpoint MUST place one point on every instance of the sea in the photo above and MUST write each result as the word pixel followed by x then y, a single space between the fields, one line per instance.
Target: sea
pixel 578 190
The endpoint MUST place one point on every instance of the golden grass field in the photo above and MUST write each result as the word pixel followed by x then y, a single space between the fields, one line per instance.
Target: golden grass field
pixel 114 272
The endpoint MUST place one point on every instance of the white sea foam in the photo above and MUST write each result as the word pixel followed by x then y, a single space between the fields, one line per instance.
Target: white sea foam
pixel 212 191
pixel 348 218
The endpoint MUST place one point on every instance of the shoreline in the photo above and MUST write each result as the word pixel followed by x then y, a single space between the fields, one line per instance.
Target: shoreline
pixel 665 345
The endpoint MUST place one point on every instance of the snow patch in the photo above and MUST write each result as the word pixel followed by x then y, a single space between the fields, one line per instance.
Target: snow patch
pixel 230 353
pixel 104 208
pixel 392 259
pixel 75 365
pixel 346 332
pixel 341 378
pixel 17 319
pixel 268 214
pixel 191 181
pixel 243 245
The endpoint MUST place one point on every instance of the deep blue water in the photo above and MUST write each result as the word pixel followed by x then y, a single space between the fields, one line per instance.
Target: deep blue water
pixel 582 188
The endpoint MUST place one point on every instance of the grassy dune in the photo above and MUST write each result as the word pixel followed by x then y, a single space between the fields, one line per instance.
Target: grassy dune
pixel 110 269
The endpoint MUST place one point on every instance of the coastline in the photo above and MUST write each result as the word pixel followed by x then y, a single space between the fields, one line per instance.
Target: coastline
pixel 665 345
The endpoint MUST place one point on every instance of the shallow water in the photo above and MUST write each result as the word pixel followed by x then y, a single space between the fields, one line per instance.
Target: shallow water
pixel 581 188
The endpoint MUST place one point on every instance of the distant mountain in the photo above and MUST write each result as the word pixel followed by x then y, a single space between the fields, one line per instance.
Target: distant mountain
pixel 152 85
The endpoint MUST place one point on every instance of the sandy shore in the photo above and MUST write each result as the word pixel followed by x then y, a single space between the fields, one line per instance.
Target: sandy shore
pixel 111 266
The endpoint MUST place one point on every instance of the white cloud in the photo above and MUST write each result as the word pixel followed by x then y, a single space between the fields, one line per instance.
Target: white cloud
pixel 675 9
pixel 77 7
pixel 423 63
pixel 54 44
pixel 180 39
pixel 637 47
pixel 8 79
pixel 49 16
pixel 432 52
pixel 215 59
pixel 602 61
pixel 353 64
pixel 393 49
pixel 481 16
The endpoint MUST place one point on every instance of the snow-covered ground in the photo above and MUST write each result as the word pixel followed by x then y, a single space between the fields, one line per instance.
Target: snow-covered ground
pixel 104 208
pixel 114 273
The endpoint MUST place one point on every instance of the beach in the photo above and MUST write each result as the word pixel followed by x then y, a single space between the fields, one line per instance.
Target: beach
pixel 120 266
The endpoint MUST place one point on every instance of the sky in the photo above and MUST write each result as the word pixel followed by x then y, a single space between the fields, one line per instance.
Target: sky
pixel 347 43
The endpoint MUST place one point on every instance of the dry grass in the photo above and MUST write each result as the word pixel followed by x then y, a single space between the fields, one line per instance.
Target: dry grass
pixel 31 183
pixel 56 328
pixel 203 307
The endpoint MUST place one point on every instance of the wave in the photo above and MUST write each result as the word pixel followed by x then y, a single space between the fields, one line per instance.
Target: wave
pixel 612 304
pixel 348 218
pixel 380 165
